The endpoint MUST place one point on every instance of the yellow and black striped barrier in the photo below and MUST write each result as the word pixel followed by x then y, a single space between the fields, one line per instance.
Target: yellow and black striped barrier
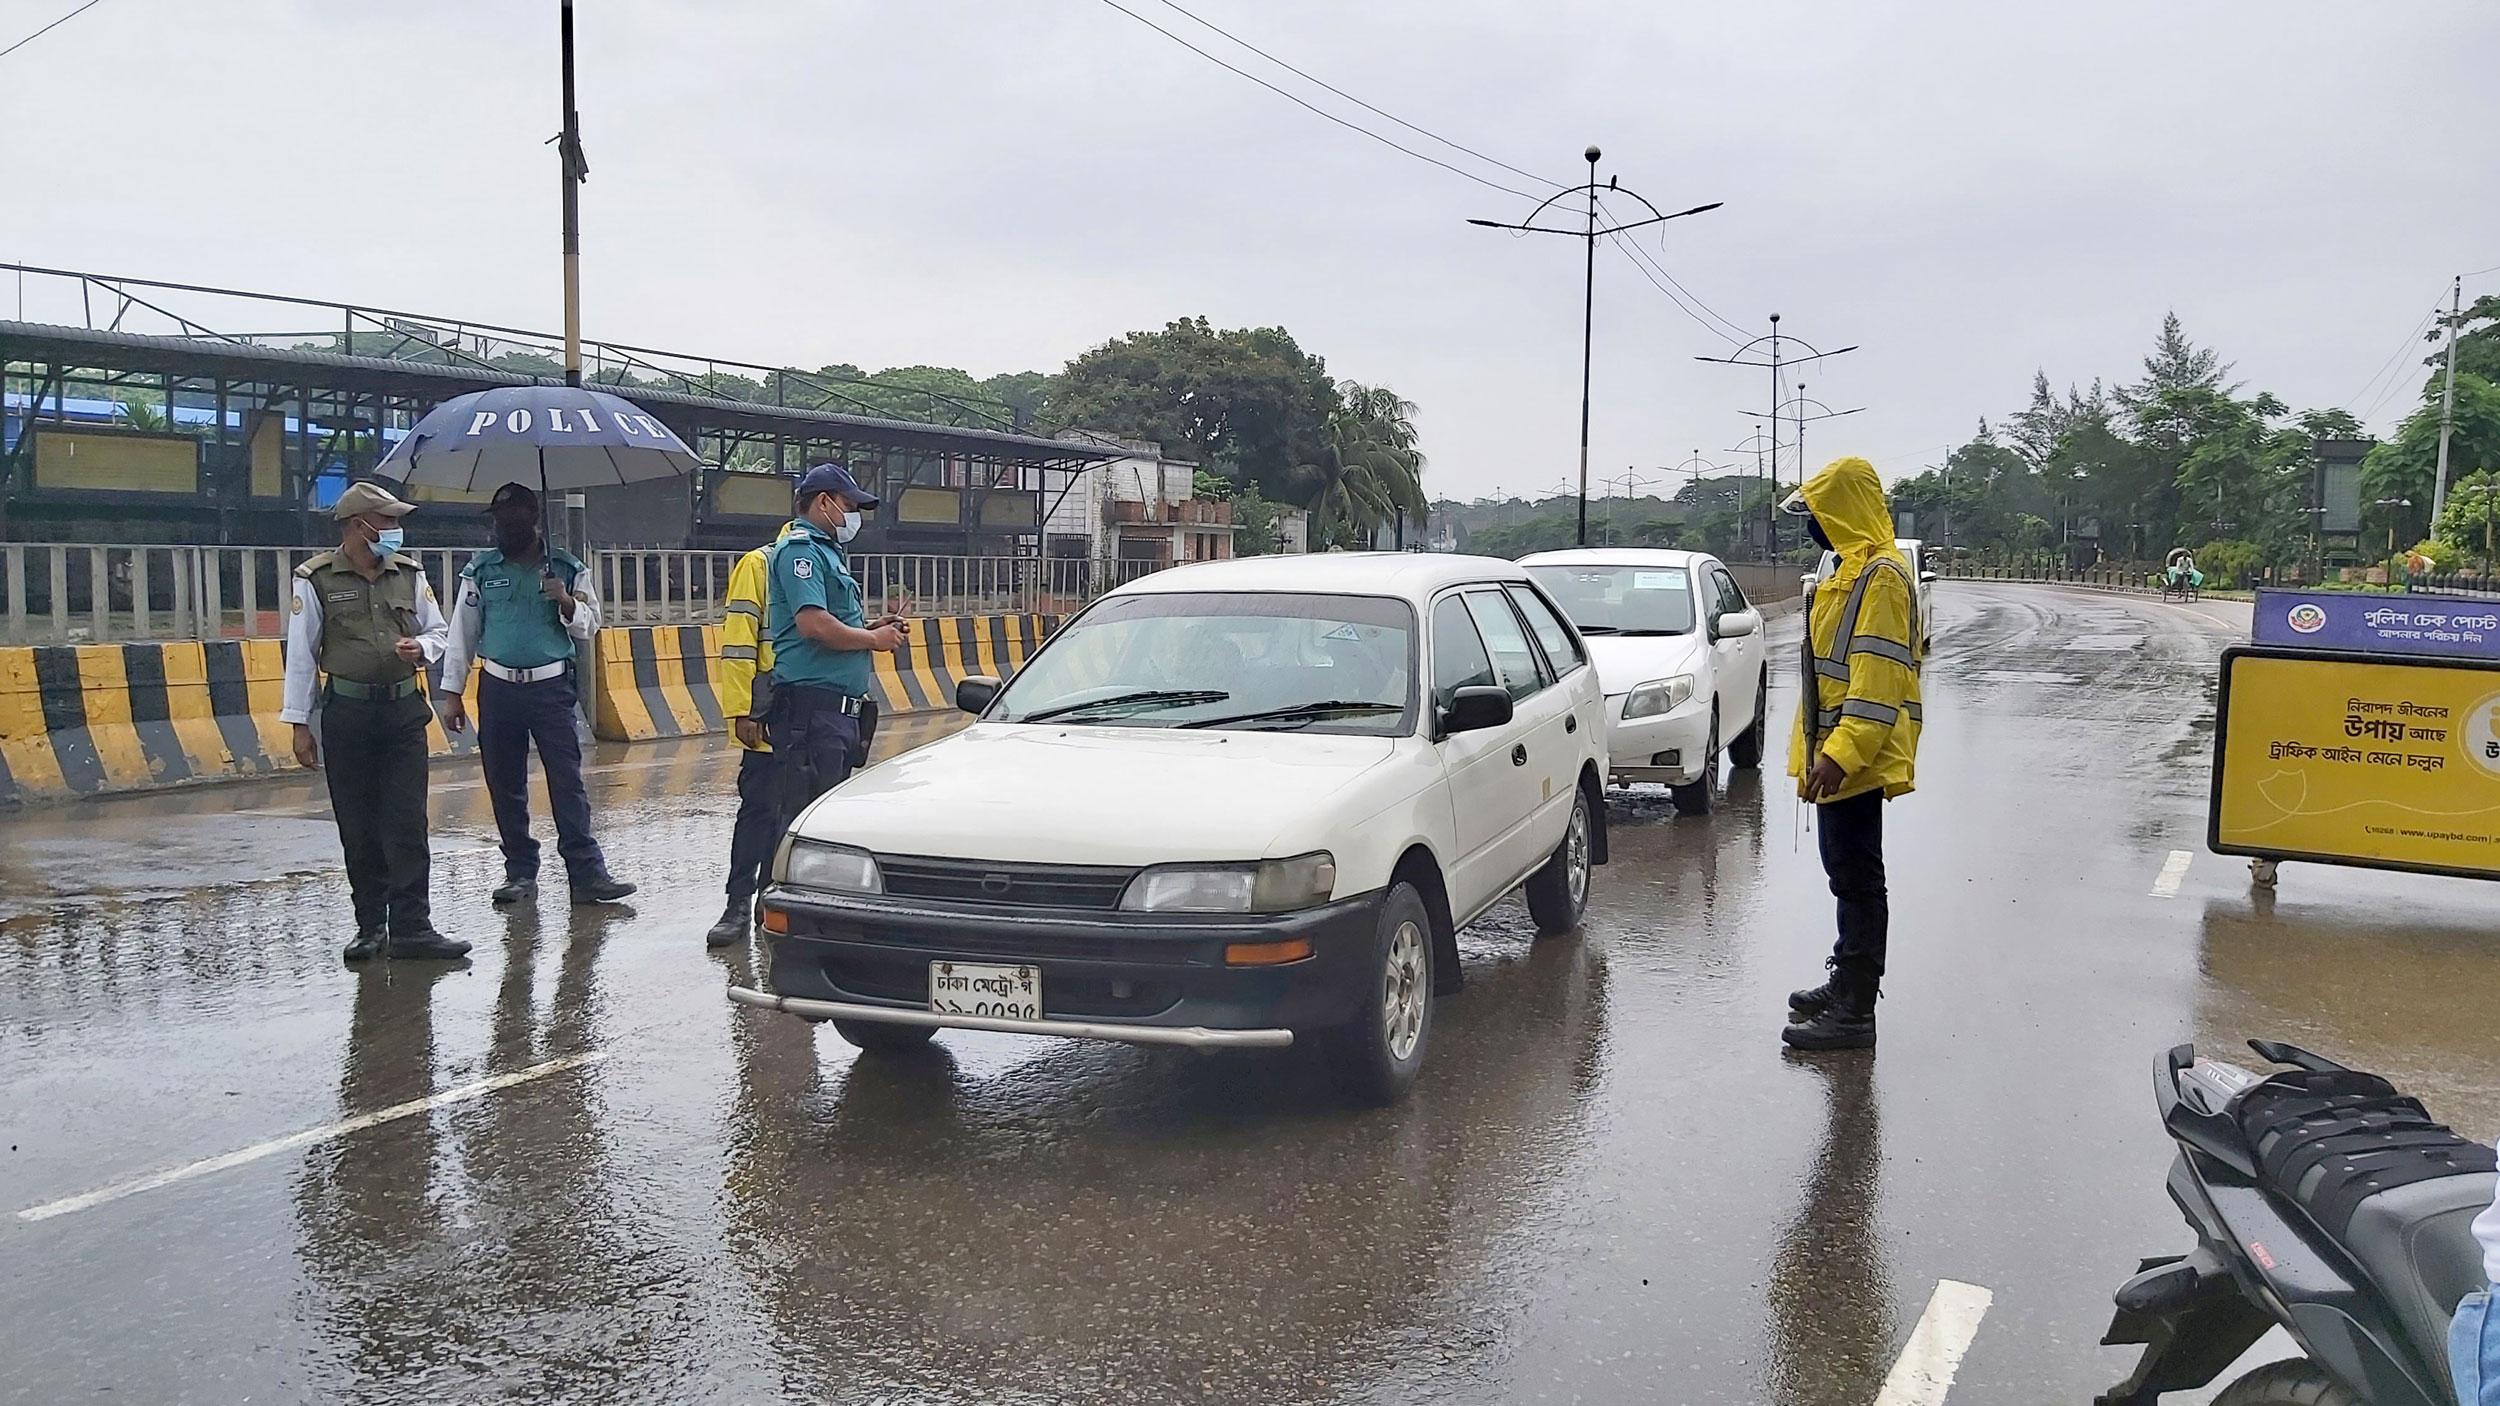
pixel 659 680
pixel 84 719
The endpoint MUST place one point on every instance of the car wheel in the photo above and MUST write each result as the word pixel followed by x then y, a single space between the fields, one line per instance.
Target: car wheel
pixel 1559 893
pixel 1695 799
pixel 1377 1054
pixel 878 1037
pixel 1746 751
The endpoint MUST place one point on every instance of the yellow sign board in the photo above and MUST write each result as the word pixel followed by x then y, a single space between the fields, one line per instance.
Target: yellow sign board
pixel 2355 759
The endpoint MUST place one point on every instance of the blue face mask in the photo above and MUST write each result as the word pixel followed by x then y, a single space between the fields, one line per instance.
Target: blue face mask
pixel 388 542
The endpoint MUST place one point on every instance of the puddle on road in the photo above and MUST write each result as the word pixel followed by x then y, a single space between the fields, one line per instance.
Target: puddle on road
pixel 2030 676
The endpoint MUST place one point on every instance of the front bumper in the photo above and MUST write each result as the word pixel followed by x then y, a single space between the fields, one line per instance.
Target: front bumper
pixel 1633 747
pixel 1146 978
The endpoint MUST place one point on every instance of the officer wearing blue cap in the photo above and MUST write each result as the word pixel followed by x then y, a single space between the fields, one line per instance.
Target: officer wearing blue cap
pixel 821 639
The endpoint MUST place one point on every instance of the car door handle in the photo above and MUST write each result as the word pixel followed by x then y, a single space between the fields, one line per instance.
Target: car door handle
pixel 1519 754
pixel 1571 722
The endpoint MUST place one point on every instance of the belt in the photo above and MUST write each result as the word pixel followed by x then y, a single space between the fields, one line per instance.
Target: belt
pixel 849 705
pixel 349 688
pixel 540 674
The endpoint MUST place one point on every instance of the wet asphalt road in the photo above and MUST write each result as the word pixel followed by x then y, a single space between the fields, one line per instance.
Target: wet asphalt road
pixel 1611 1186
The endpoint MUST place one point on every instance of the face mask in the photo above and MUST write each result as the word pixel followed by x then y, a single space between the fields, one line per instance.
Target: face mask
pixel 388 542
pixel 848 530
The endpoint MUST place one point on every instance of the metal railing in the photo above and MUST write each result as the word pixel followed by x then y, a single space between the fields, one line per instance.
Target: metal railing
pixel 78 593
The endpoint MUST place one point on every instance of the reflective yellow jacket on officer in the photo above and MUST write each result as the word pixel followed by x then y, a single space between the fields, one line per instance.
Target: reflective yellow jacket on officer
pixel 746 652
pixel 1865 639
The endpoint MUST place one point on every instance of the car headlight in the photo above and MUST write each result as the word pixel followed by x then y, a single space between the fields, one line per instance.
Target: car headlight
pixel 1658 696
pixel 811 864
pixel 1275 886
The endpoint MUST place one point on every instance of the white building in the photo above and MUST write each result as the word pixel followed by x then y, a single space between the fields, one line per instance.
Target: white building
pixel 1141 508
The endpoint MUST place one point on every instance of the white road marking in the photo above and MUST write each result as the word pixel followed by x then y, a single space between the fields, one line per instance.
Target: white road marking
pixel 1924 1371
pixel 306 1138
pixel 2173 873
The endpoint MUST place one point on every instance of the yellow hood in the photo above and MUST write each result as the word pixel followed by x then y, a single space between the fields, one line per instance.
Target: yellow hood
pixel 1848 499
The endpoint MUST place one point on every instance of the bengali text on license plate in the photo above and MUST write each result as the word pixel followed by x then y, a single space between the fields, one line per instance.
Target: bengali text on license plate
pixel 1008 993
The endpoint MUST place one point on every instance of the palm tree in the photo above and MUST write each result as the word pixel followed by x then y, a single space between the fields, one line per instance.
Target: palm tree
pixel 1369 473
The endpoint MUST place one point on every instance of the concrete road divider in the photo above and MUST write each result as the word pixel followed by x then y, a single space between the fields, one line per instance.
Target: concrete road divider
pixel 661 680
pixel 87 719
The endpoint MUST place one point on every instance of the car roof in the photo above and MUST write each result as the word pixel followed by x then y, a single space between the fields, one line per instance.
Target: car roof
pixel 1616 556
pixel 1412 575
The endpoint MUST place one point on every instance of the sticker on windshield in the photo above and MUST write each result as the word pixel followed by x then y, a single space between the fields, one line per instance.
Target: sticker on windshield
pixel 1657 580
pixel 1345 631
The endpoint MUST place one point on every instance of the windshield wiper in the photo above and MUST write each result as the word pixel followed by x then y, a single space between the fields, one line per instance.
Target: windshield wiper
pixel 1300 712
pixel 1597 630
pixel 1167 697
pixel 1649 632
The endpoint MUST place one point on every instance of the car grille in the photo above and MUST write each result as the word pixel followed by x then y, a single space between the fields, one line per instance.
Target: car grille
pixel 1063 887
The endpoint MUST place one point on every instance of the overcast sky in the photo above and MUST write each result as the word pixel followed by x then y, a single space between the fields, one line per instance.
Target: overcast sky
pixel 1968 190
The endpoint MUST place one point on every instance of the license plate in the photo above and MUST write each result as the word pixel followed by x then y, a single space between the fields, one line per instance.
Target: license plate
pixel 963 988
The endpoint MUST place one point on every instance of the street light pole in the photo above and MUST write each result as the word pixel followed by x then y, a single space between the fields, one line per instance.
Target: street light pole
pixel 2448 398
pixel 1776 338
pixel 1589 234
pixel 569 157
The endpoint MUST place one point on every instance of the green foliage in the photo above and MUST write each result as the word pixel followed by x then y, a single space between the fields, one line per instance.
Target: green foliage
pixel 2470 523
pixel 1248 403
pixel 2230 563
pixel 1254 523
pixel 2406 467
pixel 1207 485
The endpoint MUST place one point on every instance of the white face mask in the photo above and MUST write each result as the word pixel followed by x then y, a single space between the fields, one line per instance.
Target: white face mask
pixel 848 530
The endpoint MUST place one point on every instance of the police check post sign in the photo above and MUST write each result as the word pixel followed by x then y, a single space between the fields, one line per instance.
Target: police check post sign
pixel 2347 758
pixel 2457 626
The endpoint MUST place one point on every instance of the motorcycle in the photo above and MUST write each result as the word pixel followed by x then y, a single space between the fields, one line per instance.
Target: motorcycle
pixel 2324 1202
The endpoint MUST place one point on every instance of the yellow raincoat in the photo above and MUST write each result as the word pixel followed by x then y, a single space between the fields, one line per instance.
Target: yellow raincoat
pixel 745 650
pixel 1865 638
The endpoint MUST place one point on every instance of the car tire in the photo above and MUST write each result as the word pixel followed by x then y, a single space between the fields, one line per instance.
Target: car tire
pixel 1376 1055
pixel 1696 798
pixel 1746 751
pixel 879 1037
pixel 1558 893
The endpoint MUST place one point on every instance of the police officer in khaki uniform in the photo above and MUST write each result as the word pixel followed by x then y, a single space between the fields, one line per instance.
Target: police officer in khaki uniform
pixel 363 622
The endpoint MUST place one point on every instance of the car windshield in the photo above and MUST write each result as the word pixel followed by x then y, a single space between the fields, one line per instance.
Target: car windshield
pixel 1298 663
pixel 1621 600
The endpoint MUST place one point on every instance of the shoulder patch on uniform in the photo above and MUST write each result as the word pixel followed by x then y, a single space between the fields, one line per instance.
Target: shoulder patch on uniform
pixel 295 606
pixel 308 568
pixel 803 568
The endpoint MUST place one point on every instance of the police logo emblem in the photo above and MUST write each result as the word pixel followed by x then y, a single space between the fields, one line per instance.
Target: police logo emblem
pixel 298 607
pixel 803 568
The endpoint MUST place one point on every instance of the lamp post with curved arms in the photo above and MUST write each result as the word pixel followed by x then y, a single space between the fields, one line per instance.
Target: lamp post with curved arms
pixel 1775 337
pixel 1589 234
pixel 1630 478
pixel 1801 401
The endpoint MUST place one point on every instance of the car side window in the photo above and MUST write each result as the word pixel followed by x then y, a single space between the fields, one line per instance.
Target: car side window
pixel 1562 648
pixel 1730 598
pixel 1458 657
pixel 1514 659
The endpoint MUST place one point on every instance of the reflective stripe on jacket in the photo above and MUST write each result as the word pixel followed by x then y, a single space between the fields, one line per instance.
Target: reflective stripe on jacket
pixel 1864 637
pixel 745 651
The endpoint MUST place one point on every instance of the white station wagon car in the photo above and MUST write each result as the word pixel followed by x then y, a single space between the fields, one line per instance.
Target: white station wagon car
pixel 1680 655
pixel 1243 803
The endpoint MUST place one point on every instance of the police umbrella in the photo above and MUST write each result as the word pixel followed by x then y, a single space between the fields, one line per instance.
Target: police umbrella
pixel 552 438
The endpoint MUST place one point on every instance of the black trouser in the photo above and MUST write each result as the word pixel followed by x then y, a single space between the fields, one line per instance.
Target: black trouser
pixel 374 757
pixel 1851 836
pixel 758 830
pixel 814 738
pixel 510 716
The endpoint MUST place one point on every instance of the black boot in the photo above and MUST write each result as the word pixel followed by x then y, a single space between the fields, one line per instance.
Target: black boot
pixel 515 890
pixel 601 887
pixel 426 945
pixel 732 927
pixel 368 943
pixel 1814 1000
pixel 1848 1023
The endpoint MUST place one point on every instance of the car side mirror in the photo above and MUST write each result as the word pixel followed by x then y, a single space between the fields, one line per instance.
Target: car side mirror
pixel 1735 625
pixel 1475 708
pixel 1927 578
pixel 974 695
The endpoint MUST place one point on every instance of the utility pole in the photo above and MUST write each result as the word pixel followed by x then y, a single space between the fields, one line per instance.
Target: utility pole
pixel 575 169
pixel 1770 509
pixel 2448 397
pixel 1589 234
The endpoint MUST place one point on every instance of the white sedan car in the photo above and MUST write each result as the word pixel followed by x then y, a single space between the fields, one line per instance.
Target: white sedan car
pixel 1241 803
pixel 1680 653
pixel 1922 570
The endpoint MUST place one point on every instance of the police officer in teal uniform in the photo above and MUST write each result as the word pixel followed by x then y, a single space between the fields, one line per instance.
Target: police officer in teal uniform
pixel 821 639
pixel 524 611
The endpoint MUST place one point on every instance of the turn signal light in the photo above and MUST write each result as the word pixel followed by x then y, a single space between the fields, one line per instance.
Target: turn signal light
pixel 777 920
pixel 1266 954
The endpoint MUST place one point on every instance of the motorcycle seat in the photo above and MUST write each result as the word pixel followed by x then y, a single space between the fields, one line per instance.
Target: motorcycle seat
pixel 2372 1171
